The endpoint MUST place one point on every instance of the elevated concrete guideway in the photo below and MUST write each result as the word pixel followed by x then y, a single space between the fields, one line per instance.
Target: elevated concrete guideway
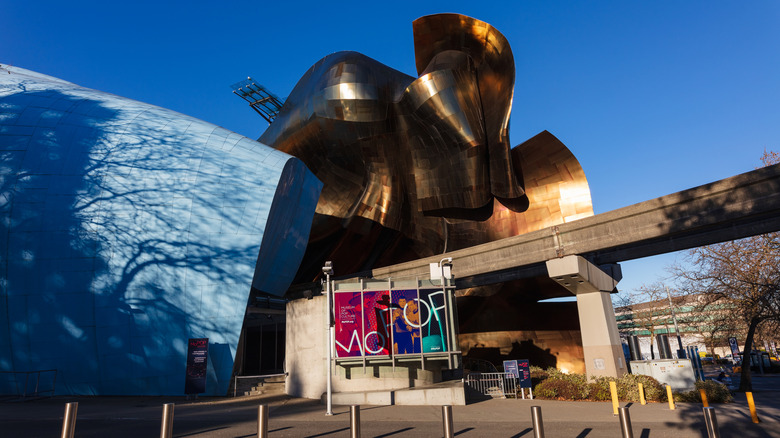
pixel 740 206
pixel 581 256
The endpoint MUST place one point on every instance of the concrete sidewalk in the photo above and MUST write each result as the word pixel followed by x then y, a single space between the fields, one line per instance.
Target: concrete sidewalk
pixel 291 417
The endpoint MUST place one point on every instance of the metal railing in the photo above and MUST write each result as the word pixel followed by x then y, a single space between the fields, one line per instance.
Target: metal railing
pixel 28 383
pixel 261 378
pixel 478 365
pixel 493 384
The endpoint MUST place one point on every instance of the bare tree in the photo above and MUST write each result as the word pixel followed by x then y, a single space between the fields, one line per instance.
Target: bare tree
pixel 712 321
pixel 767 333
pixel 742 275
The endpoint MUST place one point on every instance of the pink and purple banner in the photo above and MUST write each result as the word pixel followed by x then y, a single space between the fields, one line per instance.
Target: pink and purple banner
pixel 389 322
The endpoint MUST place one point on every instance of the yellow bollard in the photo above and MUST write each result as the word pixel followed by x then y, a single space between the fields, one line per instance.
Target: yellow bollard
pixel 670 397
pixel 703 394
pixel 752 406
pixel 613 392
pixel 642 399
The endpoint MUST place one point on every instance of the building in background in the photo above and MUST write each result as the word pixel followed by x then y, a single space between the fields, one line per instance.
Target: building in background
pixel 707 326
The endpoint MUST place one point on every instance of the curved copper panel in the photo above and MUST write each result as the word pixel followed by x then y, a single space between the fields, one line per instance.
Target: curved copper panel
pixel 411 167
pixel 338 119
pixel 495 64
pixel 446 140
pixel 557 192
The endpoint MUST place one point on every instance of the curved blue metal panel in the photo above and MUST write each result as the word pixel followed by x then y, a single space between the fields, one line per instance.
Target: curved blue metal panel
pixel 127 229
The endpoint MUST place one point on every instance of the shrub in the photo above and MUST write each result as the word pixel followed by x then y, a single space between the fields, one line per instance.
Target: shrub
pixel 553 384
pixel 716 393
pixel 628 388
pixel 555 389
pixel 687 397
pixel 599 391
pixel 537 375
pixel 558 385
pixel 547 389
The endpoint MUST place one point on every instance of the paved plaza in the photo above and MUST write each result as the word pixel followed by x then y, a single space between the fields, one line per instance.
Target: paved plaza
pixel 293 417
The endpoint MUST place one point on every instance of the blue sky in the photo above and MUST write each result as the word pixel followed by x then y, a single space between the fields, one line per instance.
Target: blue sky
pixel 652 97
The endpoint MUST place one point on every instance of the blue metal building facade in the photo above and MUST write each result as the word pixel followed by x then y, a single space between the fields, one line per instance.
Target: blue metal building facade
pixel 126 229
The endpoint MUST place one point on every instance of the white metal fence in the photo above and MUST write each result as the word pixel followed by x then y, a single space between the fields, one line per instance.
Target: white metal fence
pixel 493 384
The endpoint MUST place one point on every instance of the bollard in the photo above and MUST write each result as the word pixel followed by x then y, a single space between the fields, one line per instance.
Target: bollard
pixel 536 419
pixel 670 397
pixel 166 428
pixel 625 423
pixel 752 405
pixel 642 399
pixel 69 420
pixel 711 423
pixel 446 414
pixel 613 393
pixel 262 421
pixel 354 421
pixel 704 400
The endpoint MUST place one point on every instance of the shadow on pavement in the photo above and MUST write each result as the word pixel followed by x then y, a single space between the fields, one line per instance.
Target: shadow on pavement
pixel 213 429
pixel 523 432
pixel 405 429
pixel 584 432
pixel 328 433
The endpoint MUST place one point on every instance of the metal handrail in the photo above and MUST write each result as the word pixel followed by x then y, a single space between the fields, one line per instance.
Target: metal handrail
pixel 479 365
pixel 493 384
pixel 37 392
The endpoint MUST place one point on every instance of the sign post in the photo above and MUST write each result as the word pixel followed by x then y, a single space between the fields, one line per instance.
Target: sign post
pixel 734 349
pixel 197 365
pixel 328 271
pixel 523 371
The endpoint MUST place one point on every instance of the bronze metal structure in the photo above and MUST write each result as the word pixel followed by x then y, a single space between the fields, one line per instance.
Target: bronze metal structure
pixel 414 167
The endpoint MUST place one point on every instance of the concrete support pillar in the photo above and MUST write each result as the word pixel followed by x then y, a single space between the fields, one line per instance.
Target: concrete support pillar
pixel 600 339
pixel 592 286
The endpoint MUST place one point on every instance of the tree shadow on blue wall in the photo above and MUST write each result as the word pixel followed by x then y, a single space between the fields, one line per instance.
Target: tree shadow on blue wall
pixel 103 279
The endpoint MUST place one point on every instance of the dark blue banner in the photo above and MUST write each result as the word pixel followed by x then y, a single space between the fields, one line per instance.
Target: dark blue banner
pixel 524 370
pixel 197 364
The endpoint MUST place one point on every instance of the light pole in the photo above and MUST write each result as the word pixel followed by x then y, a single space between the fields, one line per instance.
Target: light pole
pixel 328 271
pixel 442 262
pixel 680 351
